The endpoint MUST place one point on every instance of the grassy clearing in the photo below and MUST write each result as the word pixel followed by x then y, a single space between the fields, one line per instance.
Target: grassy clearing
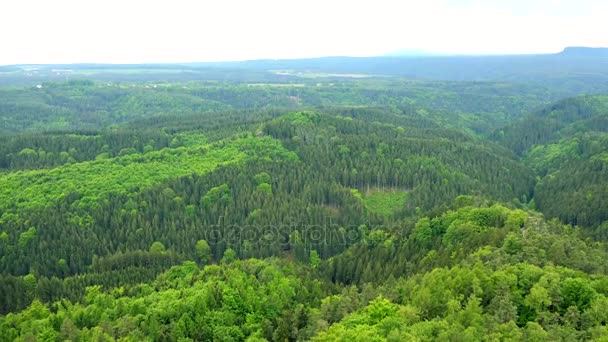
pixel 384 203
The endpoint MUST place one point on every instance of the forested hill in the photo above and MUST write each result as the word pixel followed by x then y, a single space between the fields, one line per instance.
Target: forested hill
pixel 301 206
pixel 567 145
pixel 557 121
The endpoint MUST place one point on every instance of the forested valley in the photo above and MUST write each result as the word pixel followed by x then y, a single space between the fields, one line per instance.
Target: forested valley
pixel 235 202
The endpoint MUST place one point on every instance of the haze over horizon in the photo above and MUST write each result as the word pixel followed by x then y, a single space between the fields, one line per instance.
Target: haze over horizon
pixel 68 31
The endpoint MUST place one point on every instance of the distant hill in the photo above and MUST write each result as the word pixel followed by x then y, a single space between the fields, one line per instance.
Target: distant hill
pixel 572 72
pixel 411 53
pixel 579 51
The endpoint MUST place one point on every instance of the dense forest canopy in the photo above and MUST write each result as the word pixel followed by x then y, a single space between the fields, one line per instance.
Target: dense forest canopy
pixel 365 199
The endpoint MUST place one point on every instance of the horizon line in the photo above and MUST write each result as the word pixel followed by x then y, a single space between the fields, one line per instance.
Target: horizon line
pixel 405 53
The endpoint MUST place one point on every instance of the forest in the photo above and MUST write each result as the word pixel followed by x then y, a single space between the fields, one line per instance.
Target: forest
pixel 306 200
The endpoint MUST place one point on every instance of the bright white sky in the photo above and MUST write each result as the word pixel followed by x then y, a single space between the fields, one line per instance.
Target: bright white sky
pixel 134 31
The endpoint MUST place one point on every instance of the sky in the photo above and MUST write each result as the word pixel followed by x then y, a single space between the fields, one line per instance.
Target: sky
pixel 134 31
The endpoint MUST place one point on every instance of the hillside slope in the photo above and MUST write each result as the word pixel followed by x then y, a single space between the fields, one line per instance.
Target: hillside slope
pixel 566 144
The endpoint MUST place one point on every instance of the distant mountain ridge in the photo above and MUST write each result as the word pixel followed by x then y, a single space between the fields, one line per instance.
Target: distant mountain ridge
pixel 581 51
pixel 412 53
pixel 573 71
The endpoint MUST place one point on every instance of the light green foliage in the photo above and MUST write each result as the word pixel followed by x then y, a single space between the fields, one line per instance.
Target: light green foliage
pixel 378 237
pixel 363 326
pixel 599 309
pixel 517 219
pixel 423 231
pixel 447 303
pixel 548 157
pixel 344 150
pixel 385 203
pixel 229 256
pixel 538 299
pixel 239 299
pixel 459 232
pixel 535 332
pixel 28 153
pixel 30 281
pixel 577 292
pixel 203 251
pixel 301 118
pixel 314 259
pixel 356 193
pixel 40 188
pixel 262 177
pixel 26 237
pixel 216 195
pixel 157 247
pixel 265 187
